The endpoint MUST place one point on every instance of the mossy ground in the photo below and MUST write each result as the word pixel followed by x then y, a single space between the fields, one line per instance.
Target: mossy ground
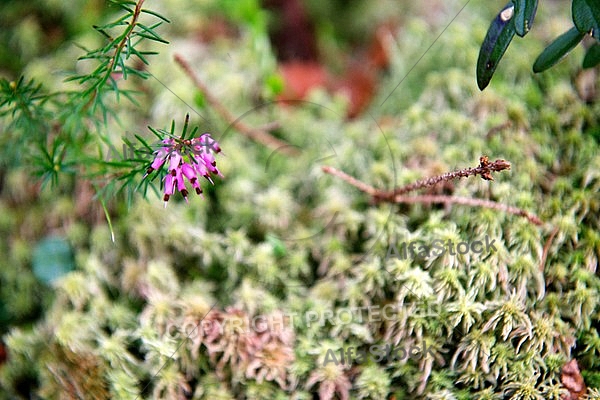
pixel 278 237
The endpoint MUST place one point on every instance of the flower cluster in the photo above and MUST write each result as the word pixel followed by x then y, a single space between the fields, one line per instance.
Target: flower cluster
pixel 189 158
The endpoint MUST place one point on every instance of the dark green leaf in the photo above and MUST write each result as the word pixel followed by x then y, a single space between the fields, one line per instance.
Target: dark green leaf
pixel 129 95
pixel 557 49
pixel 592 57
pixel 157 133
pixel 141 140
pixel 499 36
pixel 140 74
pixel 524 15
pixel 586 16
pixel 140 56
pixel 121 21
pixel 155 14
pixel 151 37
pixel 185 125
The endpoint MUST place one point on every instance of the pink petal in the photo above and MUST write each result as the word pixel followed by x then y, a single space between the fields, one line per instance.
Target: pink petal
pixel 169 187
pixel 189 172
pixel 181 183
pixel 175 160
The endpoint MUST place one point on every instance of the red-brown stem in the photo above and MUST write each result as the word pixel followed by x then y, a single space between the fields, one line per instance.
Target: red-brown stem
pixel 484 169
pixel 468 201
pixel 547 248
pixel 397 196
pixel 363 187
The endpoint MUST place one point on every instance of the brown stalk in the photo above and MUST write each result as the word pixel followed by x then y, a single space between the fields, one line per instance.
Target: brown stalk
pixel 547 248
pixel 484 170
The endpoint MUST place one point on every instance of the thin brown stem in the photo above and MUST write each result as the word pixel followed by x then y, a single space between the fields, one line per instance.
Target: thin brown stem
pixel 257 135
pixel 547 248
pixel 468 201
pixel 363 187
pixel 95 89
pixel 397 195
pixel 484 169
pixel 125 40
pixel 497 129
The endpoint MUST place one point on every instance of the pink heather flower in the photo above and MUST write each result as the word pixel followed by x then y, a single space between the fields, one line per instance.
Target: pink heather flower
pixel 187 159
pixel 175 160
pixel 205 143
pixel 157 163
pixel 188 171
pixel 161 156
pixel 200 167
pixel 169 187
pixel 181 184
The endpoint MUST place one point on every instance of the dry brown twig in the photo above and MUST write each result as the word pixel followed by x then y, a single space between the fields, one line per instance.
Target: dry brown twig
pixel 484 170
pixel 498 128
pixel 258 135
pixel 547 248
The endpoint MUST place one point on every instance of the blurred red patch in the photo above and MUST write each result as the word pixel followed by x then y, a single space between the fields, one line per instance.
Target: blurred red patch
pixel 3 355
pixel 295 44
pixel 572 380
pixel 357 83
pixel 300 78
pixel 358 86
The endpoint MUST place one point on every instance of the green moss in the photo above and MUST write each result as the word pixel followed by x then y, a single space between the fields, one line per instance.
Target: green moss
pixel 278 236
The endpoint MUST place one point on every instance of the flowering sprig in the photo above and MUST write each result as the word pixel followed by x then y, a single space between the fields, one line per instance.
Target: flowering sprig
pixel 186 158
